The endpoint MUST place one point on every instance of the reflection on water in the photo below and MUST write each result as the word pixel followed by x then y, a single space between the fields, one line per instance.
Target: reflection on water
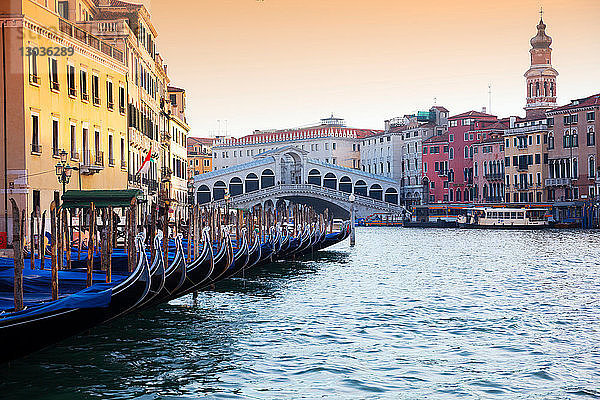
pixel 407 313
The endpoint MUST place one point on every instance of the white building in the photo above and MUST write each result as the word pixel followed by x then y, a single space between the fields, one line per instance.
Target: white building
pixel 331 142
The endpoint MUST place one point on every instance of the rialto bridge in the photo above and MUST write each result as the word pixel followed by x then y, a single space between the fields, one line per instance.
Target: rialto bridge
pixel 287 174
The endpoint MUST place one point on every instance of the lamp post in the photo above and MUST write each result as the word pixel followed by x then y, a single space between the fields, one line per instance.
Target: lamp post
pixel 352 199
pixel 64 170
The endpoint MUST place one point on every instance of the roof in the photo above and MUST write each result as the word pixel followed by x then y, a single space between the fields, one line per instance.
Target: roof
pixel 282 149
pixel 591 101
pixel 493 139
pixel 440 108
pixel 100 198
pixel 174 89
pixel 191 140
pixel 118 3
pixel 438 138
pixel 473 114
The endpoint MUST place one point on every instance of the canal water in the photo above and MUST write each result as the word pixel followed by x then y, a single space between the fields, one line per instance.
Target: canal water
pixel 406 314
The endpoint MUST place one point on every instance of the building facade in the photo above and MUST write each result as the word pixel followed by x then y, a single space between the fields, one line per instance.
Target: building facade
pixel 70 102
pixel 199 153
pixel 435 168
pixel 464 130
pixel 330 142
pixel 572 150
pixel 488 169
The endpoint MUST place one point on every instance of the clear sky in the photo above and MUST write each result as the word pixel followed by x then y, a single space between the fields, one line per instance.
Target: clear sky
pixel 285 63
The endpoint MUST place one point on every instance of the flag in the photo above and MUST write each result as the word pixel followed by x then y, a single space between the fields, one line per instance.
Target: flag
pixel 146 164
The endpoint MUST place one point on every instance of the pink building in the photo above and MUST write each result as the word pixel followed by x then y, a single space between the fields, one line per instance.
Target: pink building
pixel 435 169
pixel 488 170
pixel 462 135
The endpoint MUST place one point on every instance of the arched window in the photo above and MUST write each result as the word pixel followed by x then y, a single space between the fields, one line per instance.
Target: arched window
pixel 267 179
pixel 345 184
pixel 391 196
pixel 485 170
pixel 591 167
pixel 458 194
pixel 466 152
pixel 203 195
pixel 451 154
pixel 330 181
pixel 314 177
pixel 537 89
pixel 360 188
pixel 591 137
pixel 251 183
pixel 376 192
pixel 236 187
pixel 219 189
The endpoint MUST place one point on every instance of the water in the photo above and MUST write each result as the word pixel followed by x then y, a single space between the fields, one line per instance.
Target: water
pixel 406 314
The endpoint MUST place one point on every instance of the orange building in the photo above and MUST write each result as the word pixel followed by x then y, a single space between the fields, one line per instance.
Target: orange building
pixel 199 152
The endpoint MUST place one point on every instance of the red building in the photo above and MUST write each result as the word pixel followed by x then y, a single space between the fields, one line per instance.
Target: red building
pixel 435 169
pixel 462 134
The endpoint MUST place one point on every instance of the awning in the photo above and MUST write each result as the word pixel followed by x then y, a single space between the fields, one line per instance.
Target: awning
pixel 100 198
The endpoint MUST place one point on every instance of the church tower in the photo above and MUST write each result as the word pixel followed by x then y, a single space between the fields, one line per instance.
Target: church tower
pixel 541 77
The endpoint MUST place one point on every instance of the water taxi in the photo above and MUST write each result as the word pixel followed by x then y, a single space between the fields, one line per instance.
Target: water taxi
pixel 504 218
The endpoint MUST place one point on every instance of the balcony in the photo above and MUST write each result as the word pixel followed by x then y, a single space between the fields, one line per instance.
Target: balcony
pixel 522 186
pixel 85 96
pixel 566 182
pixel 80 34
pixel 165 173
pixel 36 148
pixel 54 86
pixel 527 129
pixel 494 176
pixel 96 100
pixel 92 163
pixel 522 167
pixel 442 172
pixel 110 105
pixel 72 92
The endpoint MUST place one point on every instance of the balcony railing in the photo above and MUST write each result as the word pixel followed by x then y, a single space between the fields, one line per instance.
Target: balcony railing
pixel 558 182
pixel 123 164
pixel 34 79
pixel 85 96
pixel 74 155
pixel 72 92
pixel 66 27
pixel 111 161
pixel 165 173
pixel 36 148
pixel 99 159
pixel 54 85
pixel 527 129
pixel 494 176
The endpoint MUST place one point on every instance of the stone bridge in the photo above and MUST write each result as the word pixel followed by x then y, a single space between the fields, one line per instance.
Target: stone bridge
pixel 287 174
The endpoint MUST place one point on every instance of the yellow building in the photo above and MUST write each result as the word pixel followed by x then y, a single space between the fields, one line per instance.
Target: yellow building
pixel 65 91
pixel 526 160
pixel 199 152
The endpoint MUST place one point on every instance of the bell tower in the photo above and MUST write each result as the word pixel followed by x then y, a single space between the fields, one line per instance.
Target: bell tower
pixel 541 77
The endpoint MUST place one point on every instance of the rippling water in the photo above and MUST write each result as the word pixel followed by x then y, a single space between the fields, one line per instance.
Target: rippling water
pixel 407 313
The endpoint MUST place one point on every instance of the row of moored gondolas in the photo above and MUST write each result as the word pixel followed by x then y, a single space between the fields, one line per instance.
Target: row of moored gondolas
pixel 157 272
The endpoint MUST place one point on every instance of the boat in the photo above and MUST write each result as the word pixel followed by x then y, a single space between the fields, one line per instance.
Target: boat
pixel 504 218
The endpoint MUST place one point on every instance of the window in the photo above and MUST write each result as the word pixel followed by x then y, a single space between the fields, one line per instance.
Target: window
pixel 591 116
pixel 550 122
pixel 550 142
pixel 333 146
pixel 591 137
pixel 451 138
pixel 35 134
pixel 507 161
pixel 109 95
pixel 73 141
pixel 34 78
pixel 507 143
pixel 424 150
pixel 111 156
pixel 71 80
pixel 538 158
pixel 55 145
pixel 83 85
pixel 591 167
pixel 95 90
pixel 538 139
pixel 451 156
pixel 53 74
pixel 123 159
pixel 121 99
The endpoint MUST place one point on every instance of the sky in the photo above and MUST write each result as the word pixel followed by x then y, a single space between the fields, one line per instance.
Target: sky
pixel 287 63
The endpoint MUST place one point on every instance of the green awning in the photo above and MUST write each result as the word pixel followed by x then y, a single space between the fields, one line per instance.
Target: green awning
pixel 100 198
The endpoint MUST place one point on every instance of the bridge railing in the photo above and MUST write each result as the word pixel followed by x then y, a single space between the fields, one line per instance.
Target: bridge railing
pixel 300 188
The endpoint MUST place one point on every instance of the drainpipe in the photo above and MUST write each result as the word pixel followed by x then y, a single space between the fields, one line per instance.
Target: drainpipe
pixel 4 131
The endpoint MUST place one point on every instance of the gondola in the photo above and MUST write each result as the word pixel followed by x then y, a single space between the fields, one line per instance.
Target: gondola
pixel 36 327
pixel 241 257
pixel 157 272
pixel 174 276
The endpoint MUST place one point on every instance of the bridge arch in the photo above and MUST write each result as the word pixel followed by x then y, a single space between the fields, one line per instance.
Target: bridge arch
pixel 236 186
pixel 360 188
pixel 219 189
pixel 251 182
pixel 330 181
pixel 345 184
pixel 203 195
pixel 391 196
pixel 314 177
pixel 267 179
pixel 376 192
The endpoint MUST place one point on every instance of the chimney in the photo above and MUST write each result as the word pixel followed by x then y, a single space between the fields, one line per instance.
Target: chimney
pixel 484 110
pixel 512 122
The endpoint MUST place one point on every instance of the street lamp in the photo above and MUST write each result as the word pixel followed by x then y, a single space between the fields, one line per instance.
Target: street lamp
pixel 64 170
